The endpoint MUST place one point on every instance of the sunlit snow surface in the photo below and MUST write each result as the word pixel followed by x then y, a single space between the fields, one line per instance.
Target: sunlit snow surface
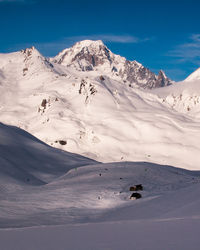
pixel 105 120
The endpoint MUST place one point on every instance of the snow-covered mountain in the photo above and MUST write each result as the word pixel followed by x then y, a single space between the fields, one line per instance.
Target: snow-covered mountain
pixel 184 96
pixel 95 56
pixel 95 113
pixel 194 76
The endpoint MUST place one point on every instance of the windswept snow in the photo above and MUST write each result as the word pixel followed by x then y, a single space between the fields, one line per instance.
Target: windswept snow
pixel 37 187
pixel 46 188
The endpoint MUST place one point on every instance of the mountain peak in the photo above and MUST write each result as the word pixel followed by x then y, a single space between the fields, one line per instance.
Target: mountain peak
pixel 89 43
pixel 161 72
pixel 85 55
pixel 162 80
pixel 31 52
pixel 194 76
pixel 89 55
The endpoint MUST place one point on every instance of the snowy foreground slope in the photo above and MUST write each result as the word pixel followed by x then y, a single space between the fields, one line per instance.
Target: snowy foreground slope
pixel 46 188
pixel 89 101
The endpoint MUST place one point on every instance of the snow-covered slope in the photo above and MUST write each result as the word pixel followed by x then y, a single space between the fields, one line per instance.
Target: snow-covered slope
pixel 96 114
pixel 184 96
pixel 26 161
pixel 41 185
pixel 194 76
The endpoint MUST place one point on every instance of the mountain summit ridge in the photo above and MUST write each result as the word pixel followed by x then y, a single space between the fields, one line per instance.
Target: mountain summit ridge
pixel 88 55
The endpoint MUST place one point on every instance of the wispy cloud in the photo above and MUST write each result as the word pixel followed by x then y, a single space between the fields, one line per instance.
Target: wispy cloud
pixel 53 47
pixel 108 38
pixel 112 38
pixel 189 51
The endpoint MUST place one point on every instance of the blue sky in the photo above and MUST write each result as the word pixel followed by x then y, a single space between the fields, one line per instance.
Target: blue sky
pixel 159 34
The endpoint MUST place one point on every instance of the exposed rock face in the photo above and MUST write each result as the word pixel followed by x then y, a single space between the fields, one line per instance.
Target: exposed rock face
pixel 95 56
pixel 135 73
pixel 91 59
pixel 87 89
pixel 162 80
pixel 85 55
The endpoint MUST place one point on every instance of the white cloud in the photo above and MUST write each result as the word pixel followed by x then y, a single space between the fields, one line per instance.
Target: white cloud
pixel 53 47
pixel 189 51
pixel 106 38
pixel 115 38
pixel 112 38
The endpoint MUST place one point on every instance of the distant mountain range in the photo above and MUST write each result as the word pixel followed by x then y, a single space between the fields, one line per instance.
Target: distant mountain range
pixel 90 101
pixel 95 56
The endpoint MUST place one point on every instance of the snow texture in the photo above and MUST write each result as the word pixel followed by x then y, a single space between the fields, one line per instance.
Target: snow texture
pixel 51 199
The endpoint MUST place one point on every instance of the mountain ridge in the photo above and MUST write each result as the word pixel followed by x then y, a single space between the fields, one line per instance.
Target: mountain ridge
pixel 96 114
pixel 91 55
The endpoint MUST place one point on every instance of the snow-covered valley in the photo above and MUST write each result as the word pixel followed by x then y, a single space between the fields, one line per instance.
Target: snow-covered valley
pixel 43 188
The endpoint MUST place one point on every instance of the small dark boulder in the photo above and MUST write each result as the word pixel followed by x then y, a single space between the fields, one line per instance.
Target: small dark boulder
pixel 135 196
pixel 101 78
pixel 138 187
pixel 62 142
pixel 44 103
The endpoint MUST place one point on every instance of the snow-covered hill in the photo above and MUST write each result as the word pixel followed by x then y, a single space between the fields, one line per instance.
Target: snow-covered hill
pixel 26 161
pixel 42 186
pixel 97 114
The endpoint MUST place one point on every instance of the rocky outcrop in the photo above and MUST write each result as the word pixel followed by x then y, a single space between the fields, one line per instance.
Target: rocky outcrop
pixel 136 74
pixel 34 62
pixel 162 80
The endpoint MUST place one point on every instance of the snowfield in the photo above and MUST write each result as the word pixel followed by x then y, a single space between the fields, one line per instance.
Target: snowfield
pixel 103 125
pixel 127 235
pixel 43 188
